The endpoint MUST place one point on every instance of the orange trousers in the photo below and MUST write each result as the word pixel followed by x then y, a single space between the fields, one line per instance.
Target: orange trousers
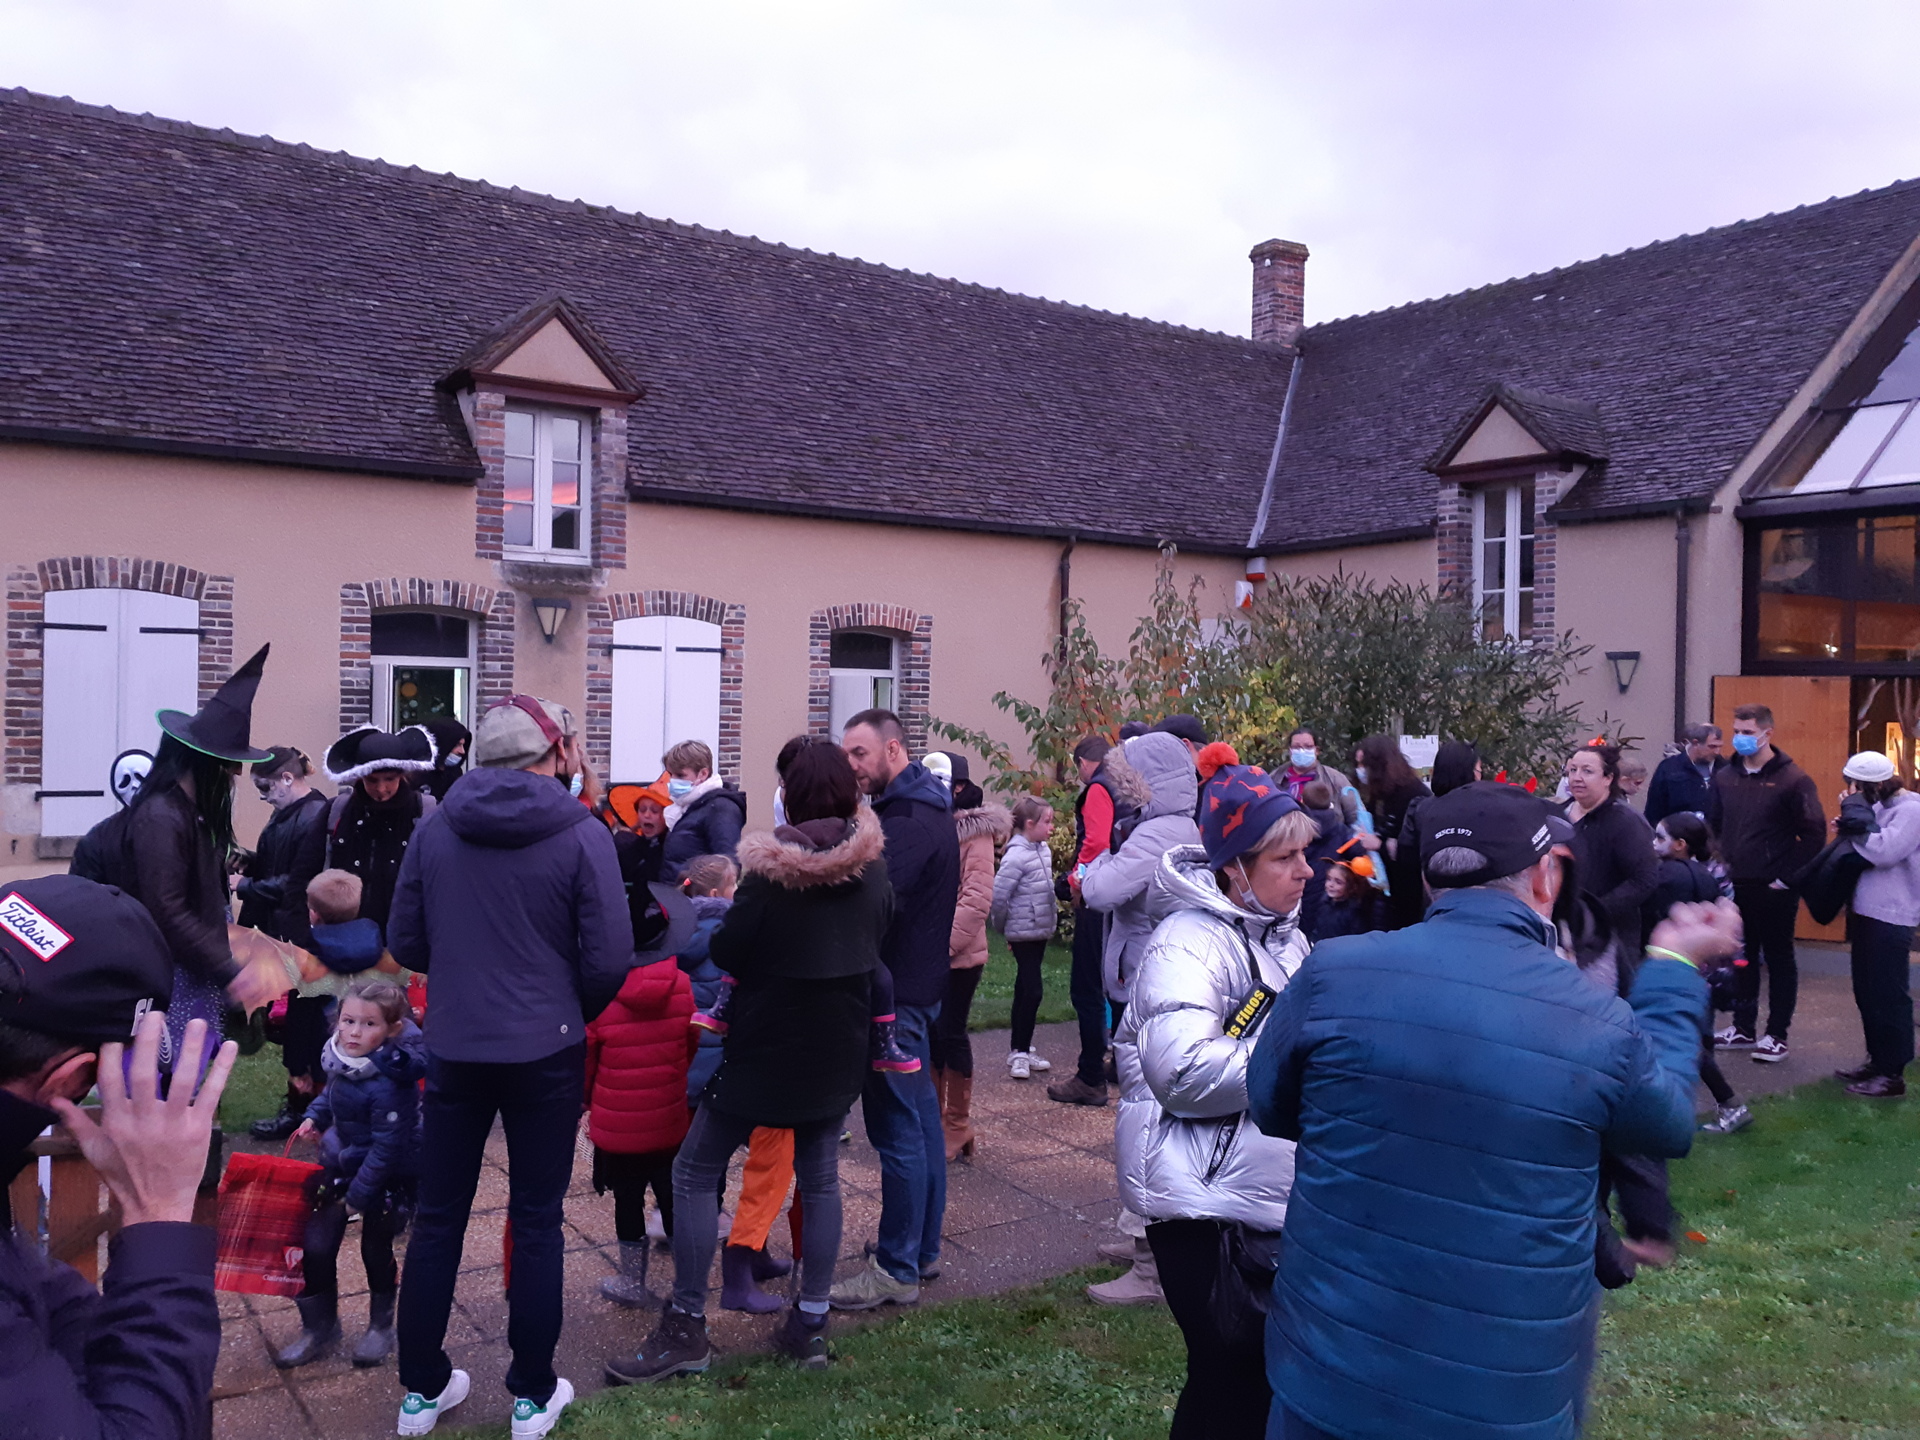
pixel 765 1183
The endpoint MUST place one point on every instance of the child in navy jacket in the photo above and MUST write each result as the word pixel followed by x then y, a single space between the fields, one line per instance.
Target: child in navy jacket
pixel 368 1124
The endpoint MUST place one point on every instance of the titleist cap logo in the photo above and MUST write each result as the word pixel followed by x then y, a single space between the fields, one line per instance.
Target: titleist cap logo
pixel 23 920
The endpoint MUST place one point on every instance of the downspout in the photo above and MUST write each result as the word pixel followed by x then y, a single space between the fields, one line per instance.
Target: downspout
pixel 1682 575
pixel 1279 444
pixel 1066 588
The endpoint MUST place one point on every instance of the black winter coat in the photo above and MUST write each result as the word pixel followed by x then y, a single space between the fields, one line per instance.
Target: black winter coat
pixel 1407 902
pixel 1613 853
pixel 510 898
pixel 1768 822
pixel 130 1361
pixel 182 882
pixel 802 942
pixel 1676 881
pixel 370 1120
pixel 292 850
pixel 711 825
pixel 371 841
pixel 923 864
pixel 640 865
pixel 1677 785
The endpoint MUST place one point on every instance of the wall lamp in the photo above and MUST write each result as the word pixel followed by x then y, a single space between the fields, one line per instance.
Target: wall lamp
pixel 1624 663
pixel 550 612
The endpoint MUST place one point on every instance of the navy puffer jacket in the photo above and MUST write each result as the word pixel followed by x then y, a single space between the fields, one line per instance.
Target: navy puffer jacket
pixel 709 982
pixel 1450 1087
pixel 369 1119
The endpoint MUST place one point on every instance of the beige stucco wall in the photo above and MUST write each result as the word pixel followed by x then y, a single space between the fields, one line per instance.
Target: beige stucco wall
pixel 1714 604
pixel 291 538
pixel 1615 591
pixel 1412 561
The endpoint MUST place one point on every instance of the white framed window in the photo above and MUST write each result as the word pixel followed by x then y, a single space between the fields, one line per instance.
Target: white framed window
pixel 422 667
pixel 545 510
pixel 863 673
pixel 666 688
pixel 1503 517
pixel 111 659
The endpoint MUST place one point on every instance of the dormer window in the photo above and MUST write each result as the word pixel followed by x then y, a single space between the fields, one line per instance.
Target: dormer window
pixel 546 467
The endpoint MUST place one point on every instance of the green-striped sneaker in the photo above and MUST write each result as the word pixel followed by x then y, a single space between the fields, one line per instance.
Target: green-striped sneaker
pixel 530 1419
pixel 418 1414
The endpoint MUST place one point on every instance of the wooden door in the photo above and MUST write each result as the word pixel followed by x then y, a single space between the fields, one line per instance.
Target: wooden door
pixel 1813 723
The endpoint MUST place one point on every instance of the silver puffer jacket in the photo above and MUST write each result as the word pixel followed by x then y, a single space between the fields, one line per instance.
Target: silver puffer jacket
pixel 1185 1147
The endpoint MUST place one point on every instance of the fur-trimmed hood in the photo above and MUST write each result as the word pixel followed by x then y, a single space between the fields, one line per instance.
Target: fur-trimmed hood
pixel 786 857
pixel 1130 788
pixel 989 818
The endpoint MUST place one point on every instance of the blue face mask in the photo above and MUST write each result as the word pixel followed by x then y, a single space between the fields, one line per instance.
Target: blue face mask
pixel 576 784
pixel 679 789
pixel 1746 744
pixel 1303 759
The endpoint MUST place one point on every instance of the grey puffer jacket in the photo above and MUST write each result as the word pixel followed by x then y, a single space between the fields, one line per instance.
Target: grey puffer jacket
pixel 1120 882
pixel 1024 907
pixel 1185 1148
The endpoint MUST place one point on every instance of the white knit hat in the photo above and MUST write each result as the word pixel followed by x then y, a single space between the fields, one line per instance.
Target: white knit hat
pixel 1869 766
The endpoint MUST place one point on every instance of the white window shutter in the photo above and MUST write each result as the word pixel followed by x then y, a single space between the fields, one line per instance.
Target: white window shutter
pixel 693 683
pixel 849 692
pixel 159 663
pixel 639 699
pixel 80 709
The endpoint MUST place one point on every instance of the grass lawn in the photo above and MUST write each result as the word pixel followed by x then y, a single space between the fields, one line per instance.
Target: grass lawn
pixel 993 1001
pixel 1797 1318
pixel 254 1090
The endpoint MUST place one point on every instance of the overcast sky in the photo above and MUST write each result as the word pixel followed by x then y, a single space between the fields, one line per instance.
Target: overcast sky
pixel 1115 154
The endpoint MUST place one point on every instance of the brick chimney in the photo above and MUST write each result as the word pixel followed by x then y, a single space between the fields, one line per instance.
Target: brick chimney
pixel 1279 291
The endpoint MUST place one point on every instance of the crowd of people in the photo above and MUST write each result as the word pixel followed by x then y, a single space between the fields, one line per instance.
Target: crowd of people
pixel 1388 1052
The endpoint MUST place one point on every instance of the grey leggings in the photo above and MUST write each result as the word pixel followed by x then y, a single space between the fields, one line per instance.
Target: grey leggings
pixel 701 1169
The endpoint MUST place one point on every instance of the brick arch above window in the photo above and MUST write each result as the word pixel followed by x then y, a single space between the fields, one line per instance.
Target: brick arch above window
pixel 915 690
pixel 493 647
pixel 27 588
pixel 731 617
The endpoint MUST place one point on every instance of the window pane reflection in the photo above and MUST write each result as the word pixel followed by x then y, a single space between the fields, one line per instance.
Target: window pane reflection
pixel 1844 590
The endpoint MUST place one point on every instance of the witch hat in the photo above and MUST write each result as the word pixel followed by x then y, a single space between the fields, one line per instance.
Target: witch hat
pixel 223 727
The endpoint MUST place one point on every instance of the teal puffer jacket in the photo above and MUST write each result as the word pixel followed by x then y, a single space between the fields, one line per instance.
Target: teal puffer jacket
pixel 1450 1087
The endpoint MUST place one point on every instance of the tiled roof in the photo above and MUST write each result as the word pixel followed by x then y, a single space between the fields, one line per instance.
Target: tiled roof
pixel 174 287
pixel 1685 350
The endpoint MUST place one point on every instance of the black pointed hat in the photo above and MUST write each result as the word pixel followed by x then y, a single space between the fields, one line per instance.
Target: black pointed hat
pixel 223 727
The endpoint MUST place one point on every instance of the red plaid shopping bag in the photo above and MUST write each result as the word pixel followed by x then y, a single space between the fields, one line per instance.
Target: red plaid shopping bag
pixel 264 1207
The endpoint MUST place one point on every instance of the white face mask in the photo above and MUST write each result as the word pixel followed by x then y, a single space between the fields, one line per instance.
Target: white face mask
pixel 1304 759
pixel 1360 773
pixel 1248 900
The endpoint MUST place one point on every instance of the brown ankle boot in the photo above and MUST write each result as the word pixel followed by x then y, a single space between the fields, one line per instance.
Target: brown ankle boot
pixel 956 1116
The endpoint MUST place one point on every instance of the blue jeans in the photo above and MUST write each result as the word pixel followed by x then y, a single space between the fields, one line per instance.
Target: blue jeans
pixel 701 1169
pixel 903 1124
pixel 538 1103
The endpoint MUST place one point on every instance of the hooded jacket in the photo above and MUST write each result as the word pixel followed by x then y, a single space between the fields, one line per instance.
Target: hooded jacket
pixel 802 941
pixel 369 1118
pixel 510 899
pixel 710 824
pixel 1677 784
pixel 923 866
pixel 1024 904
pixel 132 1360
pixel 637 1057
pixel 1890 891
pixel 292 850
pixel 1121 881
pixel 175 874
pixel 1182 1141
pixel 980 831
pixel 1450 1086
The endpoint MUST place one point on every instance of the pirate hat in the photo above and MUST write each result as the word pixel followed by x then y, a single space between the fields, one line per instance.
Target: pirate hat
pixel 223 727
pixel 358 753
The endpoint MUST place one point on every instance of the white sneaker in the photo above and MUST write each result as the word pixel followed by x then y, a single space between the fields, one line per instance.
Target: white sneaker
pixel 1019 1066
pixel 530 1419
pixel 1732 1038
pixel 1037 1064
pixel 418 1414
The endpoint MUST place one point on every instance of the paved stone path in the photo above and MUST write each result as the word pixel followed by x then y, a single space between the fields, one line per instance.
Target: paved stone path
pixel 1034 1204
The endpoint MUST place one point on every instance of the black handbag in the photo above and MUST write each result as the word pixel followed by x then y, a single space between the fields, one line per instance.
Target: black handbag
pixel 1827 884
pixel 1243 1282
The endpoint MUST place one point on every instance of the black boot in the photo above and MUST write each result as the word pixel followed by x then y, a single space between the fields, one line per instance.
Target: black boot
pixel 278 1127
pixel 677 1346
pixel 377 1343
pixel 804 1337
pixel 319 1331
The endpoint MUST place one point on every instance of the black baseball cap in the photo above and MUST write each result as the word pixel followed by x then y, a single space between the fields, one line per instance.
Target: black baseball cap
pixel 79 961
pixel 1503 822
pixel 1186 727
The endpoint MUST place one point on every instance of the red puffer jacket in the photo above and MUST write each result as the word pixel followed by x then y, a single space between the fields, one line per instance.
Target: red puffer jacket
pixel 637 1056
